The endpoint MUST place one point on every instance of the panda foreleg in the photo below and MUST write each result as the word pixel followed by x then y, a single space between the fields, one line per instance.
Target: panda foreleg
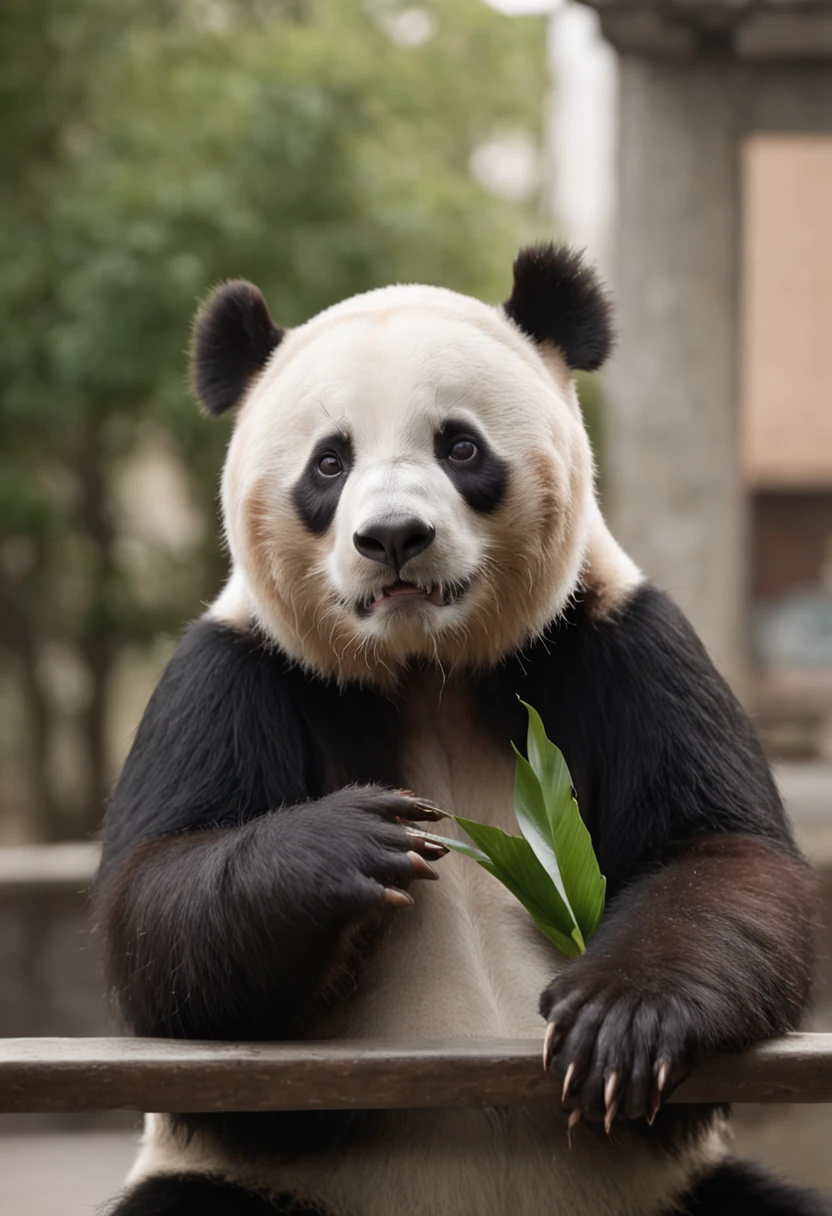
pixel 738 1188
pixel 192 1194
pixel 709 953
pixel 266 905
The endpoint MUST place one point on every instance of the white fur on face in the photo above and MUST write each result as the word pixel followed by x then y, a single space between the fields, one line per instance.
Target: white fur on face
pixel 396 476
pixel 386 371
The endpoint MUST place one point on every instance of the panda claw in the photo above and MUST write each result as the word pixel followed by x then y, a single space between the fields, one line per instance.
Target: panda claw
pixel 426 809
pixel 430 809
pixel 567 1081
pixel 549 1044
pixel 655 1108
pixel 611 1090
pixel 396 898
pixel 421 869
pixel 610 1100
pixel 663 1076
pixel 574 1120
pixel 430 848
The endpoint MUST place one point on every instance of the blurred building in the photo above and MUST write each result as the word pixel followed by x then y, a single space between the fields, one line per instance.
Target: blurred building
pixel 786 438
pixel 684 164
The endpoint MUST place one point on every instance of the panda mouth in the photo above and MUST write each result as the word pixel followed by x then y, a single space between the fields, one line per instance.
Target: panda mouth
pixel 402 595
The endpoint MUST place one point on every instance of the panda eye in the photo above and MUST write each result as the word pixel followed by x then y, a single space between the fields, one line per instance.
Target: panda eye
pixel 463 451
pixel 329 465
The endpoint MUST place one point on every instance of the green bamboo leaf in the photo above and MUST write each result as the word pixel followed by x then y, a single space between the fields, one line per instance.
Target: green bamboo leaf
pixel 532 816
pixel 566 945
pixel 458 846
pixel 546 760
pixel 514 859
pixel 513 873
pixel 584 887
pixel 551 869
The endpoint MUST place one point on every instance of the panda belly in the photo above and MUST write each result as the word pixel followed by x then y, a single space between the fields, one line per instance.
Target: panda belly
pixel 465 962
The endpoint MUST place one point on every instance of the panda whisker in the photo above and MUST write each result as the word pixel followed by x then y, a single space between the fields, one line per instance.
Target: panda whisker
pixel 438 662
pixel 378 659
pixel 363 645
pixel 323 613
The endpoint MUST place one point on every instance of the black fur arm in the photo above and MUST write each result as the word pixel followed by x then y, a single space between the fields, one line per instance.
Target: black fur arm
pixel 707 942
pixel 233 934
pixel 711 952
pixel 223 916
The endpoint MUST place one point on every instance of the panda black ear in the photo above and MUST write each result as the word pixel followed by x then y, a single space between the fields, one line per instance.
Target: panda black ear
pixel 233 337
pixel 559 298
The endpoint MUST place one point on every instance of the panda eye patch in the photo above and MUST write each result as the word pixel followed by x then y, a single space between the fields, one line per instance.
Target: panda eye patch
pixel 329 465
pixel 474 468
pixel 316 492
pixel 463 451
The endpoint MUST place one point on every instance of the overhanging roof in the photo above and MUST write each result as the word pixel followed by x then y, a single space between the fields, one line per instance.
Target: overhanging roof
pixel 749 29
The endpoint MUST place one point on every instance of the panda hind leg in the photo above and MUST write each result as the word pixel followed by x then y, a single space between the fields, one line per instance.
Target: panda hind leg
pixel 739 1188
pixel 202 1195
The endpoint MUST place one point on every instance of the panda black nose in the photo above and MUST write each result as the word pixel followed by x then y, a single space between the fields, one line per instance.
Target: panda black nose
pixel 394 541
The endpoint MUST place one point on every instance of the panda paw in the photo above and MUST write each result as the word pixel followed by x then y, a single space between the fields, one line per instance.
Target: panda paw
pixel 617 1052
pixel 363 850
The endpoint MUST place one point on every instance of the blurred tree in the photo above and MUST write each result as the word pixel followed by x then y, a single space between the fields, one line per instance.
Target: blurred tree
pixel 150 149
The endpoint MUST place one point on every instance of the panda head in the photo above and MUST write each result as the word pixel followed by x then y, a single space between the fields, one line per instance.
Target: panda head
pixel 409 475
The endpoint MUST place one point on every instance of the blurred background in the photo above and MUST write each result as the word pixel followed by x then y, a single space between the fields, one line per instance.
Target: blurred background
pixel 149 151
pixel 321 148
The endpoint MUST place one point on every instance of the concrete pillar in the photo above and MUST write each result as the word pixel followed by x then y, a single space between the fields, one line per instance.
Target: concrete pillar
pixel 674 496
pixel 696 79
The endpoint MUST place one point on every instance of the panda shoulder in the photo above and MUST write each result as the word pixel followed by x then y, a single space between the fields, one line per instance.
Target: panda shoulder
pixel 221 740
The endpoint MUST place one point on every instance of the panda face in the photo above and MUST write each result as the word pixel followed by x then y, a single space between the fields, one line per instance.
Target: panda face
pixel 395 497
pixel 409 477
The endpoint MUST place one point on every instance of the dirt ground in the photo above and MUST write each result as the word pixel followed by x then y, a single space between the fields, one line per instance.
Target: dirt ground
pixel 62 1173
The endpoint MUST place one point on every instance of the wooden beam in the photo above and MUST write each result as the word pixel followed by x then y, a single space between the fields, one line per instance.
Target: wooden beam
pixel 51 1075
pixel 48 868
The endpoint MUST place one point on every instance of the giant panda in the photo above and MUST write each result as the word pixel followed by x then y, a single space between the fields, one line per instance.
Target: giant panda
pixel 410 507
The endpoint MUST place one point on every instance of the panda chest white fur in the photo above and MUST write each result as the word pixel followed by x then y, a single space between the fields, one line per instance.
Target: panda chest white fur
pixel 466 960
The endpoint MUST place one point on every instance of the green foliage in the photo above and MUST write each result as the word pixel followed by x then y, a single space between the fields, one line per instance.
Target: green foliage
pixel 592 407
pixel 552 868
pixel 150 150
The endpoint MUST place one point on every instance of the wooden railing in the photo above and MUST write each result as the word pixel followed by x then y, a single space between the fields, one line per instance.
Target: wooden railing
pixel 51 1075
